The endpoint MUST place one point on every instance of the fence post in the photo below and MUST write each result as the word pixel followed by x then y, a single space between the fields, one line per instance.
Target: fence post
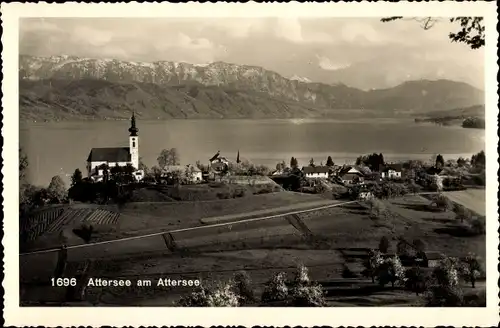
pixel 62 257
pixel 169 241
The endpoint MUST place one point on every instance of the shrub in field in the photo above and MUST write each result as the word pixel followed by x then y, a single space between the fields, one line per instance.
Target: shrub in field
pixel 197 298
pixel 477 226
pixel 309 296
pixel 419 245
pixel 372 263
pixel 461 213
pixel 442 202
pixel 377 209
pixel 416 280
pixel 275 289
pixel 446 274
pixel 444 296
pixel 243 288
pixel 471 269
pixel 221 296
pixel 304 292
pixel 347 273
pixel 391 271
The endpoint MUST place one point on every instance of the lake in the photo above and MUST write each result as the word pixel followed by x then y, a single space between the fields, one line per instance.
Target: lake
pixel 58 148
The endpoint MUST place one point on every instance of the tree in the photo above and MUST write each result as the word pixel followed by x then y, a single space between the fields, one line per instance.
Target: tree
pixel 439 161
pixel 471 268
pixel 156 172
pixel 281 166
pixel 23 165
pixel 275 289
pixel 57 189
pixel 243 288
pixel 168 157
pixel 329 161
pixel 402 248
pixel 419 245
pixel 478 160
pixel 471 32
pixel 76 178
pixel 143 166
pixel 416 280
pixel 462 213
pixel 372 264
pixel 311 162
pixel 461 162
pixel 294 163
pixel 391 270
pixel 384 244
pixel 442 202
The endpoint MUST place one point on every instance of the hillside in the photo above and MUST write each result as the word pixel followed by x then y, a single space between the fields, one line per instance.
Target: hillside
pixel 63 86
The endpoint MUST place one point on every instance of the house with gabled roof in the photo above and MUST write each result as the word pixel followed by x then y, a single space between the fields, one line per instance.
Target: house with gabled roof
pixel 316 172
pixel 350 175
pixel 391 171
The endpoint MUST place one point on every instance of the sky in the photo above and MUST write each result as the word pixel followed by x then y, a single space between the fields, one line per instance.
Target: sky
pixel 289 46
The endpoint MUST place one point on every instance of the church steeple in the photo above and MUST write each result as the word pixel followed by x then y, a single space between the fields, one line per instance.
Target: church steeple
pixel 133 129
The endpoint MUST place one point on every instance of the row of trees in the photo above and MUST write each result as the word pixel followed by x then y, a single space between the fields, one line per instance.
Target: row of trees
pixel 441 285
pixel 298 291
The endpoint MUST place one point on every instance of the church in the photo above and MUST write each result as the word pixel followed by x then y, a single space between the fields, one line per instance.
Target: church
pixel 120 156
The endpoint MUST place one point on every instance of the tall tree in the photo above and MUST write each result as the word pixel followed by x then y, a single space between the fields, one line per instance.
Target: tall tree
pixel 311 162
pixel 294 163
pixel 439 161
pixel 471 31
pixel 76 178
pixel 238 157
pixel 168 157
pixel 478 160
pixel 329 161
pixel 57 189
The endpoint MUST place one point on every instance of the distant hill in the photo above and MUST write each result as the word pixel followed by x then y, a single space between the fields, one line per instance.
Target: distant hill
pixel 64 86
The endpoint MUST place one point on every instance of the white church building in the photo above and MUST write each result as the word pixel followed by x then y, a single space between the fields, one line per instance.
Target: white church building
pixel 120 156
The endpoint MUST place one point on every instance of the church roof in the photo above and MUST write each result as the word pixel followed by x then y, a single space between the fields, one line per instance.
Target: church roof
pixel 118 154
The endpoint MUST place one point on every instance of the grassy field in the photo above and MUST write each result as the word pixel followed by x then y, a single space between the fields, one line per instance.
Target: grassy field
pixel 473 199
pixel 320 242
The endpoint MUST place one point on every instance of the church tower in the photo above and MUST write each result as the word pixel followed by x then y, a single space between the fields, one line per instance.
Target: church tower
pixel 134 143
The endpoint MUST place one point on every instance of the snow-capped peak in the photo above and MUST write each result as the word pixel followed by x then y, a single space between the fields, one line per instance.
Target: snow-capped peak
pixel 300 79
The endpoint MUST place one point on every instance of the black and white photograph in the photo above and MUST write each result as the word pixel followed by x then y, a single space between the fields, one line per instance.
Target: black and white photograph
pixel 275 161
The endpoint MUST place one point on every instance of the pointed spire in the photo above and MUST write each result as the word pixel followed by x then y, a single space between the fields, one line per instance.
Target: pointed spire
pixel 133 129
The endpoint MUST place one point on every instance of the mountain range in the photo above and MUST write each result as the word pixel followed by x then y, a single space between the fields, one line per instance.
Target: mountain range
pixel 67 87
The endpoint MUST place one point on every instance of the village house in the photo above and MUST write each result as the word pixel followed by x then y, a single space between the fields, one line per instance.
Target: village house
pixel 218 163
pixel 316 172
pixel 431 259
pixel 350 175
pixel 391 171
pixel 117 156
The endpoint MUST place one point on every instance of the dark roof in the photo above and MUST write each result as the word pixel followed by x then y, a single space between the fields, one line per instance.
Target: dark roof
pixel 215 157
pixel 395 167
pixel 118 154
pixel 316 169
pixel 434 170
pixel 434 256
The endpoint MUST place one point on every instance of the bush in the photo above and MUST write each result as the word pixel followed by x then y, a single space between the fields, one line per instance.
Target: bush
pixel 220 296
pixel 391 271
pixel 304 292
pixel 377 209
pixel 416 280
pixel 442 202
pixel 275 289
pixel 444 296
pixel 477 226
pixel 243 288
